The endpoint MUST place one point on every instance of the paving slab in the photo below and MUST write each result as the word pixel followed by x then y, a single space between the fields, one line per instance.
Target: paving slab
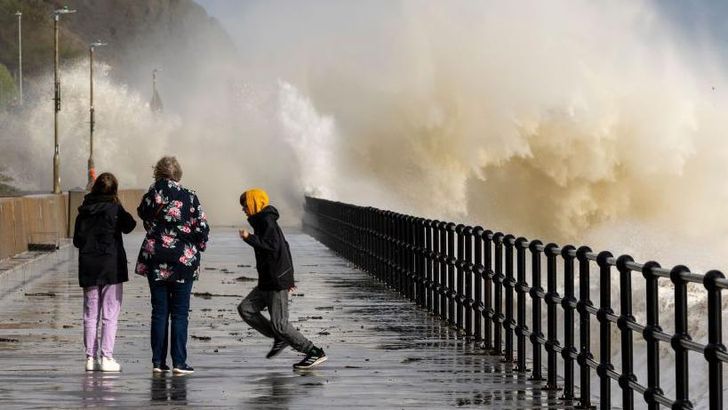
pixel 383 352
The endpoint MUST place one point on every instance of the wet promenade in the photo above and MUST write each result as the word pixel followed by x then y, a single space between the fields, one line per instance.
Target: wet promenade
pixel 383 352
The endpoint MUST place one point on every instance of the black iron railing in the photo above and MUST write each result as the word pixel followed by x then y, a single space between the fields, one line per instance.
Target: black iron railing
pixel 468 276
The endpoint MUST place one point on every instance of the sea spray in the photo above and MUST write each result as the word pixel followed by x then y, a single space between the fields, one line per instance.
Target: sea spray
pixel 128 136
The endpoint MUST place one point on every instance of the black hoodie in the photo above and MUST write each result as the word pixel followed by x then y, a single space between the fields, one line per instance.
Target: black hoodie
pixel 272 254
pixel 97 235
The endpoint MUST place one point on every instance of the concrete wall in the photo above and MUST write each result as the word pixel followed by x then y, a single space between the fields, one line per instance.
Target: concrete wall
pixel 44 219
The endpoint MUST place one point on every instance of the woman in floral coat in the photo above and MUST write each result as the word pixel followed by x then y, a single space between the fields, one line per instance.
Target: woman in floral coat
pixel 170 259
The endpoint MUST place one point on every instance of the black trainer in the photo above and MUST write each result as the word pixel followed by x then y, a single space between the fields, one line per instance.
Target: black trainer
pixel 314 357
pixel 183 369
pixel 278 346
pixel 160 368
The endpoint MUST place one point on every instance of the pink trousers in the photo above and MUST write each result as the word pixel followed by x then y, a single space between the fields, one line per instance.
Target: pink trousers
pixel 101 304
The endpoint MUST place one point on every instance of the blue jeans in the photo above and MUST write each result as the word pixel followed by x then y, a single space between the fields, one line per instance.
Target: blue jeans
pixel 170 303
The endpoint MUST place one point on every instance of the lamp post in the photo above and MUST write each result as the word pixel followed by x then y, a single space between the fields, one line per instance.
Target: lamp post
pixel 92 122
pixel 20 57
pixel 57 100
pixel 156 103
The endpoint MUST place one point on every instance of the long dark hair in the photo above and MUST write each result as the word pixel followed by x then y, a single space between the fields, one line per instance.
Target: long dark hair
pixel 106 185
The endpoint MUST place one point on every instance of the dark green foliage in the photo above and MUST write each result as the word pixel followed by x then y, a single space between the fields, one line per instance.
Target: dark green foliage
pixel 37 35
pixel 8 87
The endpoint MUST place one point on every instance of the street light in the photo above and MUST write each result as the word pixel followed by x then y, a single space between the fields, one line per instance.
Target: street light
pixel 57 99
pixel 20 57
pixel 91 166
pixel 156 103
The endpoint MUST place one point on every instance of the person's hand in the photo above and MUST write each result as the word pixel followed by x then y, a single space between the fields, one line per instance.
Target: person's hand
pixel 244 234
pixel 291 289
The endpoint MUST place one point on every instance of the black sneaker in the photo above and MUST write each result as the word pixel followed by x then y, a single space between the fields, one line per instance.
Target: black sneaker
pixel 183 369
pixel 278 346
pixel 314 357
pixel 160 368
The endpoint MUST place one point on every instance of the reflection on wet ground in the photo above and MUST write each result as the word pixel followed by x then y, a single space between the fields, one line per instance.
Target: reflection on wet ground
pixel 383 352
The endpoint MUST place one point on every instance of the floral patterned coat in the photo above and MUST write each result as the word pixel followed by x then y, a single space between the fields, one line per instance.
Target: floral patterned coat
pixel 177 232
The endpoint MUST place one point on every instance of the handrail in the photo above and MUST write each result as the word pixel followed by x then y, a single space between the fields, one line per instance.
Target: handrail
pixel 468 276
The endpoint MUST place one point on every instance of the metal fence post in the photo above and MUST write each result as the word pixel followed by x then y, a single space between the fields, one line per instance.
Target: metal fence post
pixel 488 311
pixel 536 294
pixel 521 291
pixel 568 303
pixel 585 356
pixel 460 273
pixel 681 335
pixel 498 277
pixel 552 300
pixel 509 284
pixel 623 323
pixel 651 329
pixel 715 339
pixel 451 260
pixel 444 285
pixel 479 277
pixel 429 264
pixel 436 258
pixel 605 329
pixel 468 269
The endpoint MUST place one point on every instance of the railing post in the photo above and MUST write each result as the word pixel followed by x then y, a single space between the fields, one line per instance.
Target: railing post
pixel 498 277
pixel 552 341
pixel 411 253
pixel 468 270
pixel 488 311
pixel 401 255
pixel 568 303
pixel 605 329
pixel 416 253
pixel 521 290
pixel 509 284
pixel 451 260
pixel 382 245
pixel 682 388
pixel 536 294
pixel 394 244
pixel 479 275
pixel 444 286
pixel 585 356
pixel 388 246
pixel 429 264
pixel 418 263
pixel 715 339
pixel 625 319
pixel 436 257
pixel 460 272
pixel 651 328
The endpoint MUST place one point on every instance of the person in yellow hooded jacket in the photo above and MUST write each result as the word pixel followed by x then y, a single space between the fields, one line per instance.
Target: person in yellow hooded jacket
pixel 275 280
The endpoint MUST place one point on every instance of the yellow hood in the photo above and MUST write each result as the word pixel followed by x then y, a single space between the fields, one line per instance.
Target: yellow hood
pixel 255 200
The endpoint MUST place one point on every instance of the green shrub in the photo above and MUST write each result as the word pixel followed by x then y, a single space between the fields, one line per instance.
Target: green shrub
pixel 8 87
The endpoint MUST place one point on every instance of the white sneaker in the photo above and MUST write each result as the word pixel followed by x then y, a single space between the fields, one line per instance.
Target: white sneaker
pixel 92 364
pixel 108 364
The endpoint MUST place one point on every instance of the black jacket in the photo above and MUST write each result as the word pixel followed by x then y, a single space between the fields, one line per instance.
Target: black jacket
pixel 272 254
pixel 97 235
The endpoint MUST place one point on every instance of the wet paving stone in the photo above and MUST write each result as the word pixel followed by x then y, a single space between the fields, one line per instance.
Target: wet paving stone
pixel 383 352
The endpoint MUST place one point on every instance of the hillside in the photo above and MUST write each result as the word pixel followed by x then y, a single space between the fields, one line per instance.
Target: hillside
pixel 176 36
pixel 142 34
